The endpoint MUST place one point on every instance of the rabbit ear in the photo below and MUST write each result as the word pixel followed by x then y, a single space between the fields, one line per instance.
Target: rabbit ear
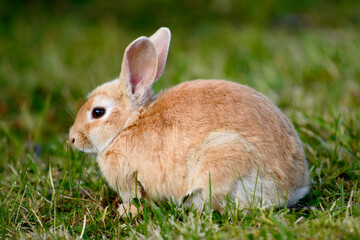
pixel 139 68
pixel 161 39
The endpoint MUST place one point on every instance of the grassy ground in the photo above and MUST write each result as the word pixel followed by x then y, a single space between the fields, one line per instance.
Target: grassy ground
pixel 49 191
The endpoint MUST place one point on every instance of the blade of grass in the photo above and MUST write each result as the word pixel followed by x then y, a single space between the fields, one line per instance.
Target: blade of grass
pixel 53 197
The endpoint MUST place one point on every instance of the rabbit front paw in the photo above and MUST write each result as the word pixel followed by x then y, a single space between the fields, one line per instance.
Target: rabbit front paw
pixel 128 210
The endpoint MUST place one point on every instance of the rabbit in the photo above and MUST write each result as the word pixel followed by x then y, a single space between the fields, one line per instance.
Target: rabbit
pixel 198 138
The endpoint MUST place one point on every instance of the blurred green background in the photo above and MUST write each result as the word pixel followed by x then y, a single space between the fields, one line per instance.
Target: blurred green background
pixel 303 54
pixel 53 52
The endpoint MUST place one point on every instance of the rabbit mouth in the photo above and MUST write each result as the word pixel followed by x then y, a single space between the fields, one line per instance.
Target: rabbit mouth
pixel 83 144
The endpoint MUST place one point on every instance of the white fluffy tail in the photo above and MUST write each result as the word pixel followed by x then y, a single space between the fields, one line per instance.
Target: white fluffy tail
pixel 297 195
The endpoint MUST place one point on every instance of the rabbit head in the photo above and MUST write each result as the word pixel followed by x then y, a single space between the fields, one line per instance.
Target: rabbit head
pixel 111 106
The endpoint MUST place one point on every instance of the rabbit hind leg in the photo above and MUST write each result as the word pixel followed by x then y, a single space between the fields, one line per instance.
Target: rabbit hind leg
pixel 215 165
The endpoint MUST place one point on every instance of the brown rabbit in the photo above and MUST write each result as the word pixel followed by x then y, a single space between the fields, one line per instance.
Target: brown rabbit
pixel 169 145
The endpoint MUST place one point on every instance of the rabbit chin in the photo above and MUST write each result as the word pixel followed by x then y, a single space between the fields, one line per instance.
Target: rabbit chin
pixel 98 148
pixel 91 150
pixel 85 147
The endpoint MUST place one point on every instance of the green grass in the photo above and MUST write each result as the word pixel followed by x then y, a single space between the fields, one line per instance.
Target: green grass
pixel 48 66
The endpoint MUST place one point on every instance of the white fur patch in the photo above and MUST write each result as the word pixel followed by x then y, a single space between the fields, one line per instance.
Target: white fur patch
pixel 195 200
pixel 255 192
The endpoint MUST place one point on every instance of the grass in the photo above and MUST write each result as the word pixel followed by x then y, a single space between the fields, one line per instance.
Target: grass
pixel 50 191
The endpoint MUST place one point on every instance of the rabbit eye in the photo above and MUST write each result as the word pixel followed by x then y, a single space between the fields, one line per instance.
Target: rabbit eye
pixel 98 112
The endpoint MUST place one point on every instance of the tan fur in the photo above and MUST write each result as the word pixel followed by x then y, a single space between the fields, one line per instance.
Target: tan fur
pixel 172 143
